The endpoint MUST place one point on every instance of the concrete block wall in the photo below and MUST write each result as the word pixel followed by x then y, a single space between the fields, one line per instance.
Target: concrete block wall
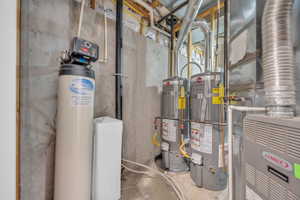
pixel 47 29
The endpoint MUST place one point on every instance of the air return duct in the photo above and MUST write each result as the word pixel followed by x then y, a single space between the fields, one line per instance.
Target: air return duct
pixel 278 58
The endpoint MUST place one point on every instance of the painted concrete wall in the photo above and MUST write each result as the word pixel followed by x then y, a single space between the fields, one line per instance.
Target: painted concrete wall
pixel 8 55
pixel 47 29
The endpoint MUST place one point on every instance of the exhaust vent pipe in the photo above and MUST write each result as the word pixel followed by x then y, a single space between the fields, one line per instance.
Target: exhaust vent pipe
pixel 278 58
pixel 203 25
pixel 190 16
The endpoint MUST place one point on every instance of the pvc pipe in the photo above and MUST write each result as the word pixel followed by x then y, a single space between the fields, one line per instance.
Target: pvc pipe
pixel 80 17
pixel 105 59
pixel 230 140
pixel 151 13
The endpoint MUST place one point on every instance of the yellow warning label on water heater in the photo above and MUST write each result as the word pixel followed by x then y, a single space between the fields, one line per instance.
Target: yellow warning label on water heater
pixel 216 90
pixel 216 100
pixel 220 92
pixel 181 103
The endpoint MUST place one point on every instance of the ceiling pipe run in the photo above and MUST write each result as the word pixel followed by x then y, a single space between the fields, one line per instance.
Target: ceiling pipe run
pixel 278 58
pixel 151 14
pixel 190 16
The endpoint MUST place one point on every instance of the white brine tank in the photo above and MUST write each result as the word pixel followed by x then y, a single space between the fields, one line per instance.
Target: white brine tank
pixel 107 159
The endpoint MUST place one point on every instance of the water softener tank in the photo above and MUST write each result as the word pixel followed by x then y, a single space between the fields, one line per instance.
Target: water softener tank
pixel 74 132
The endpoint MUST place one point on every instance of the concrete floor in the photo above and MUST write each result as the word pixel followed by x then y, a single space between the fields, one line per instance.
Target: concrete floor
pixel 142 187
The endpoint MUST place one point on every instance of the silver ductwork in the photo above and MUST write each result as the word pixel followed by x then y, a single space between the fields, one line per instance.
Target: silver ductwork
pixel 190 15
pixel 203 25
pixel 278 58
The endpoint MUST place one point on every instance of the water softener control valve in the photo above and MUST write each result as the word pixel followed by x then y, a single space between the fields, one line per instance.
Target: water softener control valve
pixel 82 52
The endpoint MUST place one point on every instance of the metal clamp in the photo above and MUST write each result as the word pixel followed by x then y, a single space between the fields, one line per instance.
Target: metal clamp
pixel 120 74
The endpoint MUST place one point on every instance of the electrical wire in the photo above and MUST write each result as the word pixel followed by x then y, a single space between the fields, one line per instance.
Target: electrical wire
pixel 171 181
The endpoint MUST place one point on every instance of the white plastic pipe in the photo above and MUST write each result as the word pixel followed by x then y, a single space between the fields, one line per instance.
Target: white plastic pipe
pixel 105 58
pixel 151 13
pixel 230 140
pixel 80 17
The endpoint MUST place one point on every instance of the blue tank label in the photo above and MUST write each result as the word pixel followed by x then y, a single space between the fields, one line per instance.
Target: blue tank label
pixel 82 92
pixel 82 86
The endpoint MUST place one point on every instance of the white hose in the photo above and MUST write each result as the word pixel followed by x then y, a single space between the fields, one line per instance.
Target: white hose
pixel 135 171
pixel 147 173
pixel 168 179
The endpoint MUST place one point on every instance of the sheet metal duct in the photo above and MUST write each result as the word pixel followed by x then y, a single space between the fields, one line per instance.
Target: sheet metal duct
pixel 242 13
pixel 190 15
pixel 278 58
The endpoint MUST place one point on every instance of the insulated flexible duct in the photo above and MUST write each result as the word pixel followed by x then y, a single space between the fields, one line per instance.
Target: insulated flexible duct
pixel 278 58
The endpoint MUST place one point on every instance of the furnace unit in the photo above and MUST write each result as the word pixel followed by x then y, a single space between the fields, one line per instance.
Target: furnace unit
pixel 271 158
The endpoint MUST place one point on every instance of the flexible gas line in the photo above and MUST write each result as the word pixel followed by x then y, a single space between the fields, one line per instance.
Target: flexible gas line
pixel 154 139
pixel 182 150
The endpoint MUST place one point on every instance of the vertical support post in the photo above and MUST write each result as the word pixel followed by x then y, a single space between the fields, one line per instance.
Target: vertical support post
pixel 93 4
pixel 190 54
pixel 213 32
pixel 119 46
pixel 226 49
pixel 18 104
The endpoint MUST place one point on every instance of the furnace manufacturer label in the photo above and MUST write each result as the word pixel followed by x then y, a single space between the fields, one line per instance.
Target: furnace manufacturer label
pixel 169 130
pixel 82 91
pixel 276 160
pixel 201 137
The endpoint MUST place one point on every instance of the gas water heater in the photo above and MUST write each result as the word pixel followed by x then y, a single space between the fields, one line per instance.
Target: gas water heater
pixel 205 138
pixel 74 129
pixel 170 126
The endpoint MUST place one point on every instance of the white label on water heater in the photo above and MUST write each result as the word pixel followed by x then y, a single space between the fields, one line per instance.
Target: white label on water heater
pixel 169 130
pixel 165 146
pixel 82 91
pixel 197 158
pixel 251 195
pixel 201 137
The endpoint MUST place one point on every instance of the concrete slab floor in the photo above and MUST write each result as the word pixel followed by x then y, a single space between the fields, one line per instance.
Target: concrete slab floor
pixel 143 187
